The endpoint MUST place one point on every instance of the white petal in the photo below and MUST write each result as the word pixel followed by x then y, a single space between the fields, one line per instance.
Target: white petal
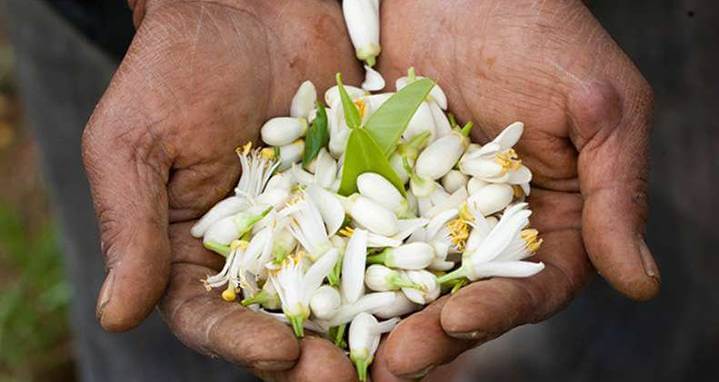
pixel 304 100
pixel 329 206
pixel 475 184
pixel 362 19
pixel 374 101
pixel 367 303
pixel 282 131
pixel 224 208
pixel 325 302
pixel 353 267
pixel 454 180
pixel 481 167
pixel 373 81
pixel 437 95
pixel 318 271
pixel 509 136
pixel 275 197
pixel 399 307
pixel 430 290
pixel 412 256
pixel 377 278
pixel 326 169
pixel 454 201
pixel 522 175
pixel 332 95
pixel 441 122
pixel 282 180
pixel 422 121
pixel 222 231
pixel 505 269
pixel 513 220
pixel 291 153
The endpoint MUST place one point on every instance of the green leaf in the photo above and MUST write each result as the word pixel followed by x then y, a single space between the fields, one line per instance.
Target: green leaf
pixel 352 115
pixel 364 155
pixel 388 123
pixel 318 136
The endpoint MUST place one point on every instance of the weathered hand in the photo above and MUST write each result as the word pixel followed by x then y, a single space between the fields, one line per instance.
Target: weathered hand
pixel 587 112
pixel 199 79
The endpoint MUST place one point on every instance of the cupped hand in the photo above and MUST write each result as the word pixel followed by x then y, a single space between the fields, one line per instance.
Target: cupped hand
pixel 586 110
pixel 199 79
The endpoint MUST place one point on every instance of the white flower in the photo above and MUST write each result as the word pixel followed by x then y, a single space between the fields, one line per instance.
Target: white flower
pixel 417 255
pixel 441 155
pixel 332 96
pixel 374 101
pixel 282 180
pixel 282 131
pixel 296 288
pixel 325 302
pixel 364 338
pixel 224 208
pixel 381 191
pixel 399 307
pixel 475 184
pixel 373 81
pixel 491 198
pixel 267 297
pixel 304 100
pixel 325 169
pixel 500 253
pixel 229 271
pixel 353 265
pixel 371 215
pixel 382 279
pixel 453 181
pixel 307 226
pixel 428 290
pixel 230 228
pixel 290 154
pixel 339 132
pixel 441 122
pixel 497 162
pixel 362 19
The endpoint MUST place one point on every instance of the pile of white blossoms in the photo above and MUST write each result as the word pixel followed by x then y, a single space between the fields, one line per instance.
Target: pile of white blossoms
pixel 368 209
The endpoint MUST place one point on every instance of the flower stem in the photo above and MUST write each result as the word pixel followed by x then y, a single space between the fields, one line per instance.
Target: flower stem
pixel 260 298
pixel 362 364
pixel 460 272
pixel 397 281
pixel 467 128
pixel 339 335
pixel 296 322
pixel 379 258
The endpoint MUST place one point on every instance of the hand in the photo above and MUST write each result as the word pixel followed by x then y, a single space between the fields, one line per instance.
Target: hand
pixel 586 110
pixel 199 79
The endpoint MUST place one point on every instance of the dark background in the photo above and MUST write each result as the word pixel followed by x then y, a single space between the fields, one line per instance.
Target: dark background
pixel 61 58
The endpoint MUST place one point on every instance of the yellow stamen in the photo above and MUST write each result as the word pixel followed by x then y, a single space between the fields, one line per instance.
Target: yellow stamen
pixel 509 160
pixel 361 106
pixel 297 256
pixel 531 239
pixel 347 231
pixel 229 294
pixel 241 244
pixel 268 153
pixel 465 214
pixel 245 149
pixel 458 232
pixel 296 198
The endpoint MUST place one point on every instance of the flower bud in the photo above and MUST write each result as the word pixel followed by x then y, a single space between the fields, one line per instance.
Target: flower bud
pixel 422 121
pixel 282 180
pixel 399 307
pixel 475 184
pixel 282 131
pixel 491 198
pixel 453 181
pixel 436 95
pixel 367 303
pixel 325 302
pixel 325 169
pixel 397 164
pixel 304 100
pixel 429 290
pixel 417 255
pixel 373 81
pixel 381 191
pixel 382 279
pixel 440 156
pixel 353 264
pixel 441 122
pixel 362 19
pixel 375 101
pixel 272 300
pixel 275 197
pixel 373 216
pixel 364 336
pixel 329 206
pixel 291 153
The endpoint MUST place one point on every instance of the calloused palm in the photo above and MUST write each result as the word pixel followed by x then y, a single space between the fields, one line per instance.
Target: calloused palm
pixel 199 79
pixel 587 111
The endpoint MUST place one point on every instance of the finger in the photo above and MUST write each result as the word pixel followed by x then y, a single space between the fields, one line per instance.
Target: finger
pixel 418 344
pixel 204 322
pixel 127 170
pixel 379 369
pixel 611 135
pixel 319 361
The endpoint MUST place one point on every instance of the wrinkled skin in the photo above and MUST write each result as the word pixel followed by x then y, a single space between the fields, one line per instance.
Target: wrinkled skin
pixel 202 76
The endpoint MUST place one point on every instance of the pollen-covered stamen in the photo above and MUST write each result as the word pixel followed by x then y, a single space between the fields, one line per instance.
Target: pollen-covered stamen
pixel 244 149
pixel 241 244
pixel 458 232
pixel 509 160
pixel 531 239
pixel 229 294
pixel 465 214
pixel 517 191
pixel 346 231
pixel 361 106
pixel 269 153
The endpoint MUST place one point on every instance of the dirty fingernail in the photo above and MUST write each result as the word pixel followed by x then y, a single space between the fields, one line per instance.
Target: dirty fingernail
pixel 650 266
pixel 420 374
pixel 105 293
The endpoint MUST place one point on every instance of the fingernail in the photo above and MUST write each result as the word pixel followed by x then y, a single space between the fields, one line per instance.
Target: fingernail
pixel 475 335
pixel 273 365
pixel 105 293
pixel 420 374
pixel 650 266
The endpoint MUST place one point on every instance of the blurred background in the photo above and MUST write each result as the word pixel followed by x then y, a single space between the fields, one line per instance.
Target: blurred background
pixel 56 57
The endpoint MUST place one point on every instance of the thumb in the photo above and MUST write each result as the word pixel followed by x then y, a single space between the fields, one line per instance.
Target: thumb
pixel 128 170
pixel 611 132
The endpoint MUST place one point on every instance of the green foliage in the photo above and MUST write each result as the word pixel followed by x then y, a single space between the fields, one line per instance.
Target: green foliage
pixel 352 115
pixel 363 155
pixel 318 136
